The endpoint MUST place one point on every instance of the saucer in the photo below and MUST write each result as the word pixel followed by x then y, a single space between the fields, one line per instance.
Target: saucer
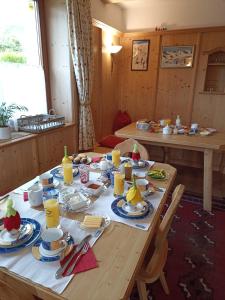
pixel 39 255
pixel 137 210
pixel 7 240
pixel 28 242
pixel 51 253
pixel 140 164
pixel 120 207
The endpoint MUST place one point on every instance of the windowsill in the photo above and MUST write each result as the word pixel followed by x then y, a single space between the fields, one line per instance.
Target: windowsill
pixel 21 135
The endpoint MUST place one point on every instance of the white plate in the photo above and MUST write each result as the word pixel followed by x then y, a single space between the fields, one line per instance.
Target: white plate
pixel 54 185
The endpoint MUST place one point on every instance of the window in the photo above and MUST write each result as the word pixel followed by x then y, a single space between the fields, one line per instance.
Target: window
pixel 22 79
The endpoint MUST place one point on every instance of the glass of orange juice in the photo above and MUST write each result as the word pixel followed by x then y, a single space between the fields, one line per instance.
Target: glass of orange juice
pixel 118 184
pixel 116 157
pixel 68 173
pixel 52 213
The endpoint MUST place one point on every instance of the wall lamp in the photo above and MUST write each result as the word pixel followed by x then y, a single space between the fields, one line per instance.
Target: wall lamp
pixel 113 49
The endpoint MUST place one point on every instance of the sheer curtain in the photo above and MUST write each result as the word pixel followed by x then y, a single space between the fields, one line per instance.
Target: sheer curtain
pixel 80 33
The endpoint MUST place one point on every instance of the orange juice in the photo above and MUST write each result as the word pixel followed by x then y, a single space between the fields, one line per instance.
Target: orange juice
pixel 68 173
pixel 118 184
pixel 116 158
pixel 51 207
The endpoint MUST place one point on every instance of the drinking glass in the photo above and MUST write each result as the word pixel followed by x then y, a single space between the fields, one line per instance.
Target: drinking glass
pixel 116 157
pixel 118 184
pixel 68 173
pixel 52 213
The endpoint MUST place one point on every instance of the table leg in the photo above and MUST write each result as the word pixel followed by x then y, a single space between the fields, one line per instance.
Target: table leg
pixel 207 185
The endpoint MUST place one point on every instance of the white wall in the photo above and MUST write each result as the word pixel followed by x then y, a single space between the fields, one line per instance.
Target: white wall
pixel 146 15
pixel 109 14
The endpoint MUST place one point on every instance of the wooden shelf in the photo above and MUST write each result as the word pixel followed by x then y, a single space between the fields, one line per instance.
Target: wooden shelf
pixel 212 93
pixel 216 64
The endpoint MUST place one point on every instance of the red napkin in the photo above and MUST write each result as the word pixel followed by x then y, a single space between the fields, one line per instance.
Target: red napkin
pixel 86 262
pixel 96 159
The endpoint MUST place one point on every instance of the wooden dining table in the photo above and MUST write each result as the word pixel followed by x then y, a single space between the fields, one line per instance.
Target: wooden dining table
pixel 206 144
pixel 119 252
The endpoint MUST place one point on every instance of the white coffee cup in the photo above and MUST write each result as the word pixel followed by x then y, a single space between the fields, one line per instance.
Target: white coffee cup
pixel 46 179
pixel 35 195
pixel 52 240
pixel 194 126
pixel 142 184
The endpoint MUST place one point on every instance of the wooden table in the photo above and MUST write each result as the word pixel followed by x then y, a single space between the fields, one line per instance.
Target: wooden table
pixel 119 252
pixel 205 144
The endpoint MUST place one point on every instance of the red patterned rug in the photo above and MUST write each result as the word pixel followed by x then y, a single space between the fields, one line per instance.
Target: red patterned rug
pixel 195 267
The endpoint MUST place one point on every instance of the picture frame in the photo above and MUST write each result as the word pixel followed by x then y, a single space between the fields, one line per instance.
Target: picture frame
pixel 177 56
pixel 140 54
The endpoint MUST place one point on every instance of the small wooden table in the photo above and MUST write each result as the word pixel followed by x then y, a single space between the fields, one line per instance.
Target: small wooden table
pixel 205 144
pixel 119 252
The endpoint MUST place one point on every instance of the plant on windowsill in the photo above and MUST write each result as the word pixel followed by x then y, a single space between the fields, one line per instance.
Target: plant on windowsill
pixel 6 113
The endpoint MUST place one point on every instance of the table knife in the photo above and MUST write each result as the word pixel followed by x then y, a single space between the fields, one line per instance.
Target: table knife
pixel 76 249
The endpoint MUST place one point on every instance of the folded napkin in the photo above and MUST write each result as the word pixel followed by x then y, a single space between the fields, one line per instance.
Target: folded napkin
pixel 86 262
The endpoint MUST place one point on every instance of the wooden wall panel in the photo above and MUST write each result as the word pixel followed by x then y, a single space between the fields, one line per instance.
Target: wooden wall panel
pixel 104 103
pixel 96 100
pixel 51 147
pixel 175 85
pixel 18 164
pixel 208 109
pixel 23 159
pixel 136 90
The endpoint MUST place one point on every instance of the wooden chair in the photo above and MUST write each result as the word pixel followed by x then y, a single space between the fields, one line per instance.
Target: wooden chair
pixel 127 146
pixel 153 270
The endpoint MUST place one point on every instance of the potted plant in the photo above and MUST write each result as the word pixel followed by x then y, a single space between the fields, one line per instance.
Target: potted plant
pixel 6 113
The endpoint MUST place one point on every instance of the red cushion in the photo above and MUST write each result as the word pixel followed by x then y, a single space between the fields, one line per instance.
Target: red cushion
pixel 110 141
pixel 122 119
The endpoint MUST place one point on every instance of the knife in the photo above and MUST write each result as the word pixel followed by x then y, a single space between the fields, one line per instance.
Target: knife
pixel 76 249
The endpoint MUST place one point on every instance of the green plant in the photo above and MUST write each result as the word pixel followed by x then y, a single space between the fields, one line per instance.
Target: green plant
pixel 13 57
pixel 7 111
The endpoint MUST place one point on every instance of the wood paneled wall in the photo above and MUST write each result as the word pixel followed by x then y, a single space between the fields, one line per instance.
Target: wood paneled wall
pixel 104 100
pixel 160 92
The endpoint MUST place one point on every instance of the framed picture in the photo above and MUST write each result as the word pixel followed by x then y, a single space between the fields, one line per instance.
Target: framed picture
pixel 140 52
pixel 177 56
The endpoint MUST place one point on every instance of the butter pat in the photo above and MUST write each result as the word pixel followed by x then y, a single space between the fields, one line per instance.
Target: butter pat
pixel 92 222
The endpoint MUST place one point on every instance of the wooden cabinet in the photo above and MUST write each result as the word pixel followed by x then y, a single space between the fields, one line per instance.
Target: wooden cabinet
pixel 23 159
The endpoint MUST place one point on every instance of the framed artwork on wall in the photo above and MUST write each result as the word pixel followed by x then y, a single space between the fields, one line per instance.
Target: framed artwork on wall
pixel 177 56
pixel 140 53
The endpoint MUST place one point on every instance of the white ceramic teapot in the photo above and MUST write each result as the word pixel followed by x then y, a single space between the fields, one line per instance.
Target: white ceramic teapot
pixel 104 165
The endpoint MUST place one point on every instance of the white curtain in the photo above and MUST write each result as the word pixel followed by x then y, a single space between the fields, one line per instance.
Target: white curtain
pixel 80 33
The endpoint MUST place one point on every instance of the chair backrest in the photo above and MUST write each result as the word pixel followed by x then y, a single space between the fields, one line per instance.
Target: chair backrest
pixel 168 217
pixel 127 146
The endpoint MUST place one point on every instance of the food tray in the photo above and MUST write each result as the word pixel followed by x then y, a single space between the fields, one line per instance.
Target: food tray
pixel 40 123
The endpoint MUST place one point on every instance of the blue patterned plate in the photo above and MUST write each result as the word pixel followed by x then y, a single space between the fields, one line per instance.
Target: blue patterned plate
pixel 58 172
pixel 37 253
pixel 35 235
pixel 119 204
pixel 141 164
pixel 24 234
